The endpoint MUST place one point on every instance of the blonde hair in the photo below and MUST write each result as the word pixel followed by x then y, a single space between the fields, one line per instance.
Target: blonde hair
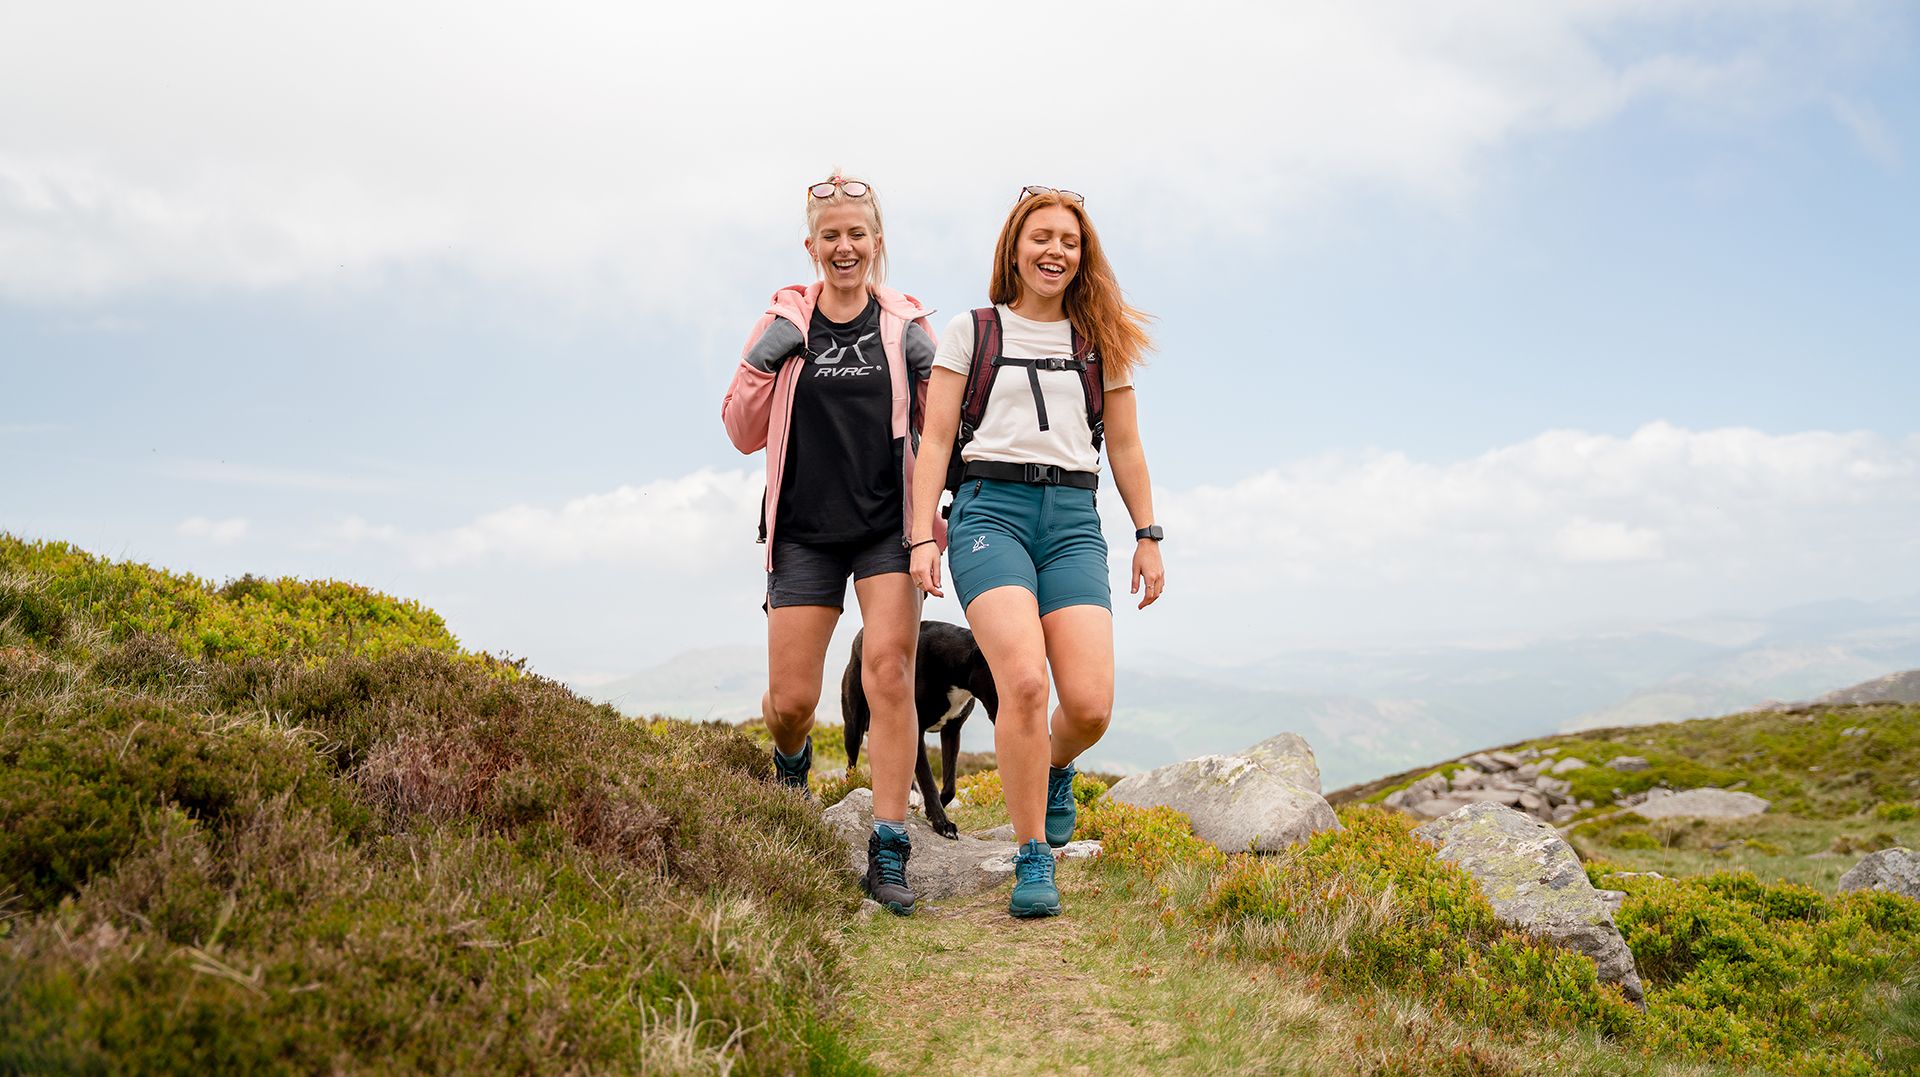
pixel 1093 302
pixel 817 207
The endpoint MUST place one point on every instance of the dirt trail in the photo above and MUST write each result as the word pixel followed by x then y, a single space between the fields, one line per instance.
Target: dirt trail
pixel 963 988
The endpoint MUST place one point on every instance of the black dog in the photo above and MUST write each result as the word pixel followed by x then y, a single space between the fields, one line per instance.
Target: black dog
pixel 950 675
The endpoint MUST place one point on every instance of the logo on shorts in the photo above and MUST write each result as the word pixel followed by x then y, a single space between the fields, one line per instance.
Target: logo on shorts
pixel 979 543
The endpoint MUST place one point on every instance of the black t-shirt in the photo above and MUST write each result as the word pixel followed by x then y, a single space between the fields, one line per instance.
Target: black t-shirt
pixel 842 479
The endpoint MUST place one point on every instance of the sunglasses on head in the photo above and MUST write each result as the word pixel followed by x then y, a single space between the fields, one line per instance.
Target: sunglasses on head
pixel 1075 197
pixel 850 188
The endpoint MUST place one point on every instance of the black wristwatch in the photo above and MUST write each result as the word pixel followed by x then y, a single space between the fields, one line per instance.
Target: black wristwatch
pixel 1151 531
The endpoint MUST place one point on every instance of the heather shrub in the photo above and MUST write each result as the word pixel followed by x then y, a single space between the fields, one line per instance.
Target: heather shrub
pixel 981 789
pixel 1370 907
pixel 330 841
pixel 1146 840
pixel 1776 975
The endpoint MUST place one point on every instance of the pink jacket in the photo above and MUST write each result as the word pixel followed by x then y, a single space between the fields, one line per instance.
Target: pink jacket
pixel 759 405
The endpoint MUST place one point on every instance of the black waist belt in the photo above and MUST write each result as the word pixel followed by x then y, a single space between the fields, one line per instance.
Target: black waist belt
pixel 1037 474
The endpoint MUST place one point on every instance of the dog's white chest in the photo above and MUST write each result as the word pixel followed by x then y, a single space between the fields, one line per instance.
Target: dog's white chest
pixel 957 700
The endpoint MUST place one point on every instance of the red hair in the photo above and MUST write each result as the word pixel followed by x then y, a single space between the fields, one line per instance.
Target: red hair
pixel 1093 302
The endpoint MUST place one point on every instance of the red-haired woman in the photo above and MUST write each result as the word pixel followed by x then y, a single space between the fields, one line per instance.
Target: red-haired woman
pixel 1059 345
pixel 828 384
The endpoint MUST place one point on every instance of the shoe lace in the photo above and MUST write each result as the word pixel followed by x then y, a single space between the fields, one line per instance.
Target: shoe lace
pixel 892 864
pixel 1033 868
pixel 1060 792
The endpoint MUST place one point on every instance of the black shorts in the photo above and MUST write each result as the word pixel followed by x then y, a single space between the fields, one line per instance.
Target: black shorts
pixel 815 573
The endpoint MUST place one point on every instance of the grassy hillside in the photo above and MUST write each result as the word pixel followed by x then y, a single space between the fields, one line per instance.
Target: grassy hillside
pixel 287 826
pixel 284 826
pixel 1842 780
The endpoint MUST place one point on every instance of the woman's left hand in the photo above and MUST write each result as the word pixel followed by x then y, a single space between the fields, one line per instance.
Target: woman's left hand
pixel 1147 568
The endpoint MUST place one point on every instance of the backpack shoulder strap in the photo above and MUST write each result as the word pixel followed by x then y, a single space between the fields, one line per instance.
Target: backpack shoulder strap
pixel 1093 384
pixel 986 356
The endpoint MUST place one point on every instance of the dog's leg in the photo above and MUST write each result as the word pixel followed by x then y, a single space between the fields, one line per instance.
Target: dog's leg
pixel 853 710
pixel 936 815
pixel 950 751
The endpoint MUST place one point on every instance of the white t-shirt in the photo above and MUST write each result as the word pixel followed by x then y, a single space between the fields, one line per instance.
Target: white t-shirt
pixel 1010 428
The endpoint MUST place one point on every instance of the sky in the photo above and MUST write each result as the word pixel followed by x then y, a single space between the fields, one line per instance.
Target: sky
pixel 1474 321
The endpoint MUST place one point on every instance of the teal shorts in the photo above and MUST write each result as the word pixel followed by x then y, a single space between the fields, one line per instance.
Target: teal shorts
pixel 1046 539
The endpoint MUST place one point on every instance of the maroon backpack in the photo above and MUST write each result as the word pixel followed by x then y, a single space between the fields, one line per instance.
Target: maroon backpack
pixel 987 364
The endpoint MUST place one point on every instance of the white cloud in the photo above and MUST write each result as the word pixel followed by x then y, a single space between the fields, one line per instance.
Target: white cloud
pixel 608 147
pixel 1566 527
pixel 219 532
pixel 672 525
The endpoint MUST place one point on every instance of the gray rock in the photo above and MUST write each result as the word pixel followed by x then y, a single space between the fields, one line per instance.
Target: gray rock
pixel 1287 756
pixel 1553 787
pixel 938 868
pixel 1533 804
pixel 1563 813
pixel 1628 762
pixel 1507 760
pixel 1073 850
pixel 1435 807
pixel 1894 871
pixel 1468 779
pixel 868 907
pixel 1572 762
pixel 1528 772
pixel 1485 763
pixel 1003 832
pixel 1707 803
pixel 1432 785
pixel 1509 797
pixel 1536 883
pixel 1234 801
pixel 1854 731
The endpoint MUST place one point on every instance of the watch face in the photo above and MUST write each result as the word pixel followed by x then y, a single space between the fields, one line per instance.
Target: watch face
pixel 1150 532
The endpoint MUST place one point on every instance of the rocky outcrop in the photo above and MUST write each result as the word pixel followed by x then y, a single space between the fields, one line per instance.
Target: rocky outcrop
pixel 1522 779
pixel 1263 799
pixel 1893 871
pixel 1287 756
pixel 938 868
pixel 1536 884
pixel 1703 803
pixel 1628 763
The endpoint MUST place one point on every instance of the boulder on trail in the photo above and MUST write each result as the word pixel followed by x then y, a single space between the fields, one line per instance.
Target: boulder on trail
pixel 1892 871
pixel 1704 803
pixel 1536 884
pixel 1263 799
pixel 938 867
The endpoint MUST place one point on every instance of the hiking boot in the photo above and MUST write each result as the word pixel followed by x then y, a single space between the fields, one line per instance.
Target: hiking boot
pixel 794 775
pixel 886 879
pixel 1061 809
pixel 1033 891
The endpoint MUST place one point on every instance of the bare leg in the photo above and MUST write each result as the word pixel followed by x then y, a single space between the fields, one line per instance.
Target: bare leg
pixel 890 617
pixel 1006 625
pixel 797 638
pixel 1080 650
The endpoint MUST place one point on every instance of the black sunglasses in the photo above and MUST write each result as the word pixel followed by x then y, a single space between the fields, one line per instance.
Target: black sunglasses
pixel 1035 189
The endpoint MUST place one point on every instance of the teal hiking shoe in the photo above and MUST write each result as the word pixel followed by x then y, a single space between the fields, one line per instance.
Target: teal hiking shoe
pixel 793 773
pixel 886 878
pixel 1061 809
pixel 1033 891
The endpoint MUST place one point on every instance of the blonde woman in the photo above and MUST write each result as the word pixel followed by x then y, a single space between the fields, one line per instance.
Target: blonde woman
pixel 1032 386
pixel 829 384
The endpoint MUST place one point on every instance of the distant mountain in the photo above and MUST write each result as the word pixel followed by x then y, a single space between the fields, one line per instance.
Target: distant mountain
pixel 1892 688
pixel 722 683
pixel 1372 712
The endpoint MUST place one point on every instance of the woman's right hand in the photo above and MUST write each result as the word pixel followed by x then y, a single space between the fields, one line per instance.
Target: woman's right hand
pixel 924 564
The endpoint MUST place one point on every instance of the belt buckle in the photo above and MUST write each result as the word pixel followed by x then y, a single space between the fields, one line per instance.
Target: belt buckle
pixel 1043 474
